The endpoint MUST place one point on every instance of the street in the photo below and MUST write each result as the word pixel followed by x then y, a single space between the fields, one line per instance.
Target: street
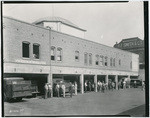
pixel 117 102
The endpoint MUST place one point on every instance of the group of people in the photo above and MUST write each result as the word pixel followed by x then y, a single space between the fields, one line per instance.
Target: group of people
pixel 89 86
pixel 59 89
pixel 48 90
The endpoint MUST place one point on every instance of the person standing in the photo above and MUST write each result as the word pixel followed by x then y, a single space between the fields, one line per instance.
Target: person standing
pixel 134 84
pixel 103 87
pixel 70 89
pixel 75 85
pixel 46 90
pixel 124 84
pixel 64 89
pixel 49 90
pixel 98 86
pixel 57 89
pixel 85 85
pixel 89 86
pixel 143 86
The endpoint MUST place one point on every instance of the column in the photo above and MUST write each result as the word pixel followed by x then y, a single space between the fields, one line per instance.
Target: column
pixel 116 80
pixel 82 83
pixel 129 80
pixel 106 79
pixel 50 80
pixel 95 82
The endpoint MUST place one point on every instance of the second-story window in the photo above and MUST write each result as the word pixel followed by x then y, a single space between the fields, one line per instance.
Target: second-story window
pixel 131 65
pixel 119 62
pixel 85 58
pixel 77 55
pixel 111 61
pixel 114 62
pixel 101 61
pixel 90 59
pixel 97 60
pixel 59 54
pixel 36 51
pixel 52 53
pixel 25 49
pixel 106 61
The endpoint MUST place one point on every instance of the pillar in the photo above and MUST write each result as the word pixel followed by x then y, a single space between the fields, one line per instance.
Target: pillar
pixel 106 79
pixel 82 83
pixel 50 80
pixel 116 80
pixel 129 80
pixel 95 82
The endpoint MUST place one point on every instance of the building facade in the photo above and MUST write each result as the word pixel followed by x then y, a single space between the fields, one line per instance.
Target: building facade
pixel 43 55
pixel 134 45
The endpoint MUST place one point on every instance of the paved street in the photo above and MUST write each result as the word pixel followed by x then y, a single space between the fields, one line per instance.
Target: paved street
pixel 114 102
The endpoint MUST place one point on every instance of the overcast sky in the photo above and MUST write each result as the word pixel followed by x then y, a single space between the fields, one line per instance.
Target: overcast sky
pixel 106 23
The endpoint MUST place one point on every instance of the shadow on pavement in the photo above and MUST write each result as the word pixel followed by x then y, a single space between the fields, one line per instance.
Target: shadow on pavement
pixel 135 112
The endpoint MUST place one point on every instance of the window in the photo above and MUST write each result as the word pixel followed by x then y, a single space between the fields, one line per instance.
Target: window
pixel 106 61
pixel 36 53
pixel 97 60
pixel 52 53
pixel 85 58
pixel 26 49
pixel 131 65
pixel 59 54
pixel 111 62
pixel 119 62
pixel 114 62
pixel 90 59
pixel 101 61
pixel 77 55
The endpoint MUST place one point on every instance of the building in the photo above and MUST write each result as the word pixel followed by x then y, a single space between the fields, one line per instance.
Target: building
pixel 134 45
pixel 44 55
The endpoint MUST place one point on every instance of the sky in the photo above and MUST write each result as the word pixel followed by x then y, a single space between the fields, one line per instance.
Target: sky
pixel 106 23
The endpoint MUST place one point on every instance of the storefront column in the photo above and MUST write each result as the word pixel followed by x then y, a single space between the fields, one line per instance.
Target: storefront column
pixel 50 80
pixel 95 82
pixel 116 80
pixel 129 80
pixel 106 79
pixel 82 83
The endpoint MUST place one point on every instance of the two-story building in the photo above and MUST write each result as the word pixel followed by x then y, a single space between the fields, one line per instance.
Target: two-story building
pixel 43 53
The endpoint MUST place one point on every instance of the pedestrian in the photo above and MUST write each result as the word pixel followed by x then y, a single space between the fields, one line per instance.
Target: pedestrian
pixel 63 89
pixel 85 85
pixel 70 89
pixel 89 86
pixel 103 87
pixel 46 90
pixel 57 89
pixel 75 86
pixel 49 90
pixel 106 86
pixel 113 85
pixel 134 84
pixel 93 86
pixel 119 85
pixel 124 84
pixel 98 86
pixel 143 86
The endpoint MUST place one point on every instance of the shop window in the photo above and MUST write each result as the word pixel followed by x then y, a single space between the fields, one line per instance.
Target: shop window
pixel 25 49
pixel 90 59
pixel 52 53
pixel 77 55
pixel 101 61
pixel 97 60
pixel 59 54
pixel 85 58
pixel 36 51
pixel 114 62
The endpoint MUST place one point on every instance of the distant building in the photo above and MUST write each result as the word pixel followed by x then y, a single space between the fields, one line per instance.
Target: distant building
pixel 134 45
